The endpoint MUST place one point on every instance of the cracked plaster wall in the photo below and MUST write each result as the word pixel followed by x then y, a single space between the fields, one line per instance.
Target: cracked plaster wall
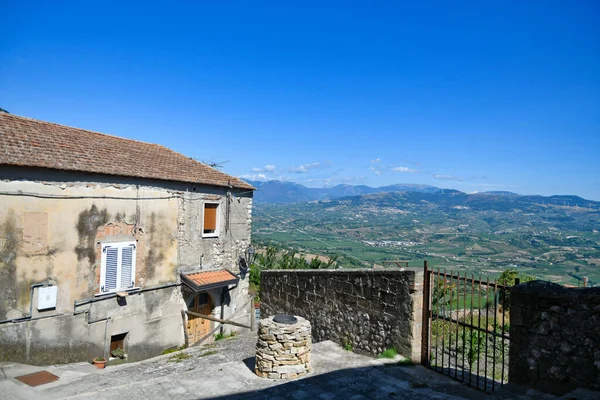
pixel 46 239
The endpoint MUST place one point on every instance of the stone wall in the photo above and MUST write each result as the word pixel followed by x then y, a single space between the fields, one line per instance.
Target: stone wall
pixel 365 310
pixel 555 337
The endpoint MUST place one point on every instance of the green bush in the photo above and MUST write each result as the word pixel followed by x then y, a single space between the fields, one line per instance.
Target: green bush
pixel 347 344
pixel 173 350
pixel 119 353
pixel 389 353
pixel 287 260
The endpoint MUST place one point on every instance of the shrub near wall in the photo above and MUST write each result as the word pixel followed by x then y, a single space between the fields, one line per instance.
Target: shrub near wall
pixel 555 337
pixel 367 311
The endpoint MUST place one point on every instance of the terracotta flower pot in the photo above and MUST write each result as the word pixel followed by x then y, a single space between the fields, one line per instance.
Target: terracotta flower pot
pixel 99 364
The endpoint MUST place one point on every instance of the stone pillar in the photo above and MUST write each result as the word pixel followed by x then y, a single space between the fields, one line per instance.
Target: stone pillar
pixel 416 293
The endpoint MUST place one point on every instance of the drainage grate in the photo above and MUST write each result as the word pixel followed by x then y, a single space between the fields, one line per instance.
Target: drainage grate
pixel 37 378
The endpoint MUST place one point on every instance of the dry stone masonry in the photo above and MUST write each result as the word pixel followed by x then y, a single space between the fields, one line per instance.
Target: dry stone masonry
pixel 368 311
pixel 555 337
pixel 283 350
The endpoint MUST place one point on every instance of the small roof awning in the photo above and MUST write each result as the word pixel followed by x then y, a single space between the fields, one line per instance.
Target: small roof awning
pixel 207 280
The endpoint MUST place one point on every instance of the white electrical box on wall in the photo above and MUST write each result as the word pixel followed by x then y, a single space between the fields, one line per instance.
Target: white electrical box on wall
pixel 47 297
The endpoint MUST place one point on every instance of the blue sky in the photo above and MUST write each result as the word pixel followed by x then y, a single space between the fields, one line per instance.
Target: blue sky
pixel 468 95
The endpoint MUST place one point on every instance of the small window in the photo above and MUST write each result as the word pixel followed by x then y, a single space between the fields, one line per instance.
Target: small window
pixel 210 223
pixel 118 266
pixel 118 341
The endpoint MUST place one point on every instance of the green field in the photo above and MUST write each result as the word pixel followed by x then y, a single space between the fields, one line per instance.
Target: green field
pixel 559 244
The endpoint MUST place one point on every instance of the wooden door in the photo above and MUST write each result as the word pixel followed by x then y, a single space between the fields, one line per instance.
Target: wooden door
pixel 199 327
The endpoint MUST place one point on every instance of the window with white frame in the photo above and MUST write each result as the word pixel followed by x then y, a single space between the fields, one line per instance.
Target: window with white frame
pixel 118 266
pixel 210 220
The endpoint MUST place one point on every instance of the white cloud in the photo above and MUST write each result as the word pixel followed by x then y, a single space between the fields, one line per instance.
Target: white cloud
pixel 331 181
pixel 305 167
pixel 255 177
pixel 379 168
pixel 266 168
pixel 404 169
pixel 446 177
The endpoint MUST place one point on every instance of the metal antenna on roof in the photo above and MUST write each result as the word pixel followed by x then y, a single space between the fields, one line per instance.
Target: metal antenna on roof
pixel 214 164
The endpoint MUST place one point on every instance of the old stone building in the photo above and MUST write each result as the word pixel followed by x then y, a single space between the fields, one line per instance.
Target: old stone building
pixel 104 241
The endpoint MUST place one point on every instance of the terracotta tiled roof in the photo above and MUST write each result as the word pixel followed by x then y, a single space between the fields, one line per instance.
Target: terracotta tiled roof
pixel 209 279
pixel 33 143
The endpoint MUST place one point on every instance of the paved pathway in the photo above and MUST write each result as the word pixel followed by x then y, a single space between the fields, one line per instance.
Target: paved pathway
pixel 224 370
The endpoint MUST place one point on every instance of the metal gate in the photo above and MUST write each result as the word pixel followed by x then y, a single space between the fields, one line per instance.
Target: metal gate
pixel 465 328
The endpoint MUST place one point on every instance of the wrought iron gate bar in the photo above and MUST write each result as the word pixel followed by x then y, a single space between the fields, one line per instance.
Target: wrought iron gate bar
pixel 467 347
pixel 457 277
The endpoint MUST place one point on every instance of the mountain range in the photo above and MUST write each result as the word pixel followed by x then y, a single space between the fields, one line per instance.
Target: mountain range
pixel 290 192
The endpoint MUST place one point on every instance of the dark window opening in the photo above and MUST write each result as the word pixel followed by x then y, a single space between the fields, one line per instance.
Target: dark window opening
pixel 202 298
pixel 118 341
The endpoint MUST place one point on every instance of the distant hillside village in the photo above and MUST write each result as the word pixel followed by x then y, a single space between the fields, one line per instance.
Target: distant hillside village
pixel 108 243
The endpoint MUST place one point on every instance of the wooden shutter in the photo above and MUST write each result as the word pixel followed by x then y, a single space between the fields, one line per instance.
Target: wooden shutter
pixel 210 218
pixel 112 266
pixel 127 266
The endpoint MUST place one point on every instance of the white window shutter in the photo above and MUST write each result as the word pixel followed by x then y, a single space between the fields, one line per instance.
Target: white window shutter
pixel 128 267
pixel 118 266
pixel 112 263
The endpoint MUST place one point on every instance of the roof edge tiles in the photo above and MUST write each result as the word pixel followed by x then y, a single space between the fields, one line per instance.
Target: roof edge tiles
pixel 207 280
pixel 29 142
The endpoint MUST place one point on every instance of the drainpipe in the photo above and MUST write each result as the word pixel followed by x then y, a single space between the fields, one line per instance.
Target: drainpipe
pixel 106 347
pixel 224 290
pixel 222 308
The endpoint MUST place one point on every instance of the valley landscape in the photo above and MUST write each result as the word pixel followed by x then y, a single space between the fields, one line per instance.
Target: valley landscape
pixel 555 238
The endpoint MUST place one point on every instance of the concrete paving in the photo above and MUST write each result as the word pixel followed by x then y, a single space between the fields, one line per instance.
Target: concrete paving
pixel 224 370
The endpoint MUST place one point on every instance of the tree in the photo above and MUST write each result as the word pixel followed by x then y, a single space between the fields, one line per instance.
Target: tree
pixel 288 260
pixel 508 278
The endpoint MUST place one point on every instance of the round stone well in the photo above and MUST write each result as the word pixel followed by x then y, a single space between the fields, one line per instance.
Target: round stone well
pixel 283 348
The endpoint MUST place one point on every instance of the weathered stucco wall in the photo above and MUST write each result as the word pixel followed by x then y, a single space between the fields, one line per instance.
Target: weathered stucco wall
pixel 52 224
pixel 57 239
pixel 56 234
pixel 152 321
pixel 555 337
pixel 369 310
